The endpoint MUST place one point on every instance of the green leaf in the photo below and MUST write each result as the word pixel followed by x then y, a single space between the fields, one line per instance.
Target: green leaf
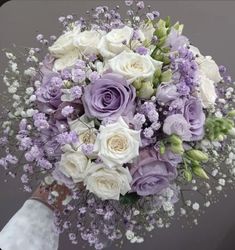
pixel 129 199
pixel 166 76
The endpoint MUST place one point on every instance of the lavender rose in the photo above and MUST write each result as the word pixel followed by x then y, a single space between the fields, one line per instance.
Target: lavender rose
pixel 49 93
pixel 150 173
pixel 194 115
pixel 108 97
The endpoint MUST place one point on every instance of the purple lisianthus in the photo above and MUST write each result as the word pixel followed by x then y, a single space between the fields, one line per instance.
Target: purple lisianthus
pixel 150 173
pixel 167 93
pixel 49 93
pixel 175 40
pixel 194 115
pixel 169 156
pixel 47 64
pixel 177 124
pixel 108 97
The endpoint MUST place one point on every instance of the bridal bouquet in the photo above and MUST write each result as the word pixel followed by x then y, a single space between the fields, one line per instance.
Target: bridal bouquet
pixel 126 113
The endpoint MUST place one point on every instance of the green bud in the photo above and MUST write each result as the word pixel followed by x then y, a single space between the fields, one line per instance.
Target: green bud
pixel 197 155
pixel 200 172
pixel 220 137
pixel 67 84
pixel 161 41
pixel 175 139
pixel 161 30
pixel 187 175
pixel 177 149
pixel 166 76
pixel 162 148
pixel 146 91
pixel 168 21
pixel 157 73
pixel 232 132
pixel 137 84
pixel 231 113
pixel 179 27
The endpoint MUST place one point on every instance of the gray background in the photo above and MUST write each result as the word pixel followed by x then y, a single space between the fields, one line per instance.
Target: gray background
pixel 210 26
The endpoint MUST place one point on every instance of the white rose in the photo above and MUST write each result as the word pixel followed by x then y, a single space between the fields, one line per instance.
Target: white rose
pixel 107 183
pixel 66 61
pixel 133 66
pixel 87 41
pixel 207 65
pixel 73 164
pixel 210 69
pixel 207 91
pixel 84 129
pixel 64 43
pixel 112 43
pixel 116 144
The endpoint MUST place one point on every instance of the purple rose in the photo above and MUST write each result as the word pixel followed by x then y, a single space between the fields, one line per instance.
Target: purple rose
pixel 194 115
pixel 108 97
pixel 150 173
pixel 49 93
pixel 166 93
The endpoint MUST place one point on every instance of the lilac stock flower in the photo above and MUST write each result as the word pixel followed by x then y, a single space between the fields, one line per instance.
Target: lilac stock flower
pixel 185 71
pixel 148 132
pixel 138 121
pixel 67 110
pixel 93 76
pixel 78 75
pixel 177 124
pixel 76 92
pixel 150 174
pixel 109 96
pixel 194 115
pixel 166 93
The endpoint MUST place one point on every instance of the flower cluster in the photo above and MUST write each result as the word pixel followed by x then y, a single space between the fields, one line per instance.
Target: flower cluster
pixel 125 113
